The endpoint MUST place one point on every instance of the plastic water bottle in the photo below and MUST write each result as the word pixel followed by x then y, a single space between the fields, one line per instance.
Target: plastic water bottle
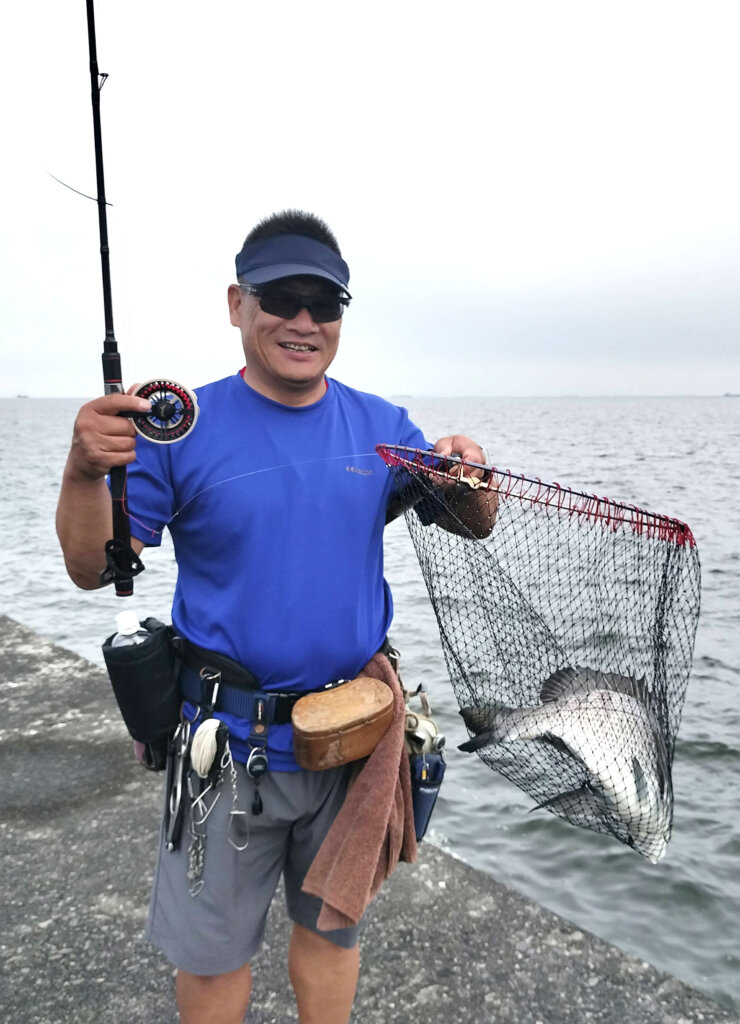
pixel 129 630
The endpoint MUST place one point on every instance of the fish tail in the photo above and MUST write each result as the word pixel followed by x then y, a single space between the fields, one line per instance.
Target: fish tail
pixel 496 723
pixel 481 740
pixel 485 719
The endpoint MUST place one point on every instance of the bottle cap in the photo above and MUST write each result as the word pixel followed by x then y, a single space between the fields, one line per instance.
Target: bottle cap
pixel 128 622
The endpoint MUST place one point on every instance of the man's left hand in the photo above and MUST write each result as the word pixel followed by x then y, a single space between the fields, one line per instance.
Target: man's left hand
pixel 474 512
pixel 466 448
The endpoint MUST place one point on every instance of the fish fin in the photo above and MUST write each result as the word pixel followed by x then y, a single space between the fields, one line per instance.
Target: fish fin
pixel 476 742
pixel 559 744
pixel 561 683
pixel 633 687
pixel 581 679
pixel 663 767
pixel 580 804
pixel 641 786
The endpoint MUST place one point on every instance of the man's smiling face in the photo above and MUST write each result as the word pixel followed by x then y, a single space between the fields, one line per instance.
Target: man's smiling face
pixel 286 358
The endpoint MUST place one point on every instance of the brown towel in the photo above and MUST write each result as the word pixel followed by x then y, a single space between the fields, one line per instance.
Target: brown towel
pixel 375 827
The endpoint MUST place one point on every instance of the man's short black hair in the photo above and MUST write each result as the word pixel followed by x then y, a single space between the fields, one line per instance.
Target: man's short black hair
pixel 294 222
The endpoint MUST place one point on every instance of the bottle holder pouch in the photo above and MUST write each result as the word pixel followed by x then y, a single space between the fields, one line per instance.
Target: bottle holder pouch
pixel 144 680
pixel 427 772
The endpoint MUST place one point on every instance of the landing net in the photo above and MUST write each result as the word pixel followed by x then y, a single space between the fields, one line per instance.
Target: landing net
pixel 567 622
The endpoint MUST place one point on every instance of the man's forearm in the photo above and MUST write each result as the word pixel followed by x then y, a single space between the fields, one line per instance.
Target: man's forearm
pixel 476 510
pixel 84 525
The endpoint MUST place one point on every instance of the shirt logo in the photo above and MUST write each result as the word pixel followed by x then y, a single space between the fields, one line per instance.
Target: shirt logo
pixel 362 472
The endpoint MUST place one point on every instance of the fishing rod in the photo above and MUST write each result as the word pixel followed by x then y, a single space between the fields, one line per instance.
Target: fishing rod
pixel 174 409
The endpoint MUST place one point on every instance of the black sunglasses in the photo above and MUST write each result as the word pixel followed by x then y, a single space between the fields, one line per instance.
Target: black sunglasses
pixel 323 309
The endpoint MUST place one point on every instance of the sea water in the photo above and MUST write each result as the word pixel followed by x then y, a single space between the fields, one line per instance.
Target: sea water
pixel 676 456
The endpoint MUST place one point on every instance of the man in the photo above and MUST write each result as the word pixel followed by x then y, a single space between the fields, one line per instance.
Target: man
pixel 276 503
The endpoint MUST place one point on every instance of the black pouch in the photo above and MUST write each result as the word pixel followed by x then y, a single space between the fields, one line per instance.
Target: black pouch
pixel 144 680
pixel 427 772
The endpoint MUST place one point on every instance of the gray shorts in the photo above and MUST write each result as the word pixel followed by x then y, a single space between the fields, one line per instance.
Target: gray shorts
pixel 220 929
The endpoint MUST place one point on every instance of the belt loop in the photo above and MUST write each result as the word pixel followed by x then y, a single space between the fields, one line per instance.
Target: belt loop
pixel 260 717
pixel 257 763
pixel 257 739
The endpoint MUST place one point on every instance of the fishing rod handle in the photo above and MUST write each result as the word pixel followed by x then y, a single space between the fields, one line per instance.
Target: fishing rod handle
pixel 112 379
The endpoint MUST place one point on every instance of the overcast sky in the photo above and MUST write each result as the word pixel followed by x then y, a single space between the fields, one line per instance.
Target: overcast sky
pixel 533 197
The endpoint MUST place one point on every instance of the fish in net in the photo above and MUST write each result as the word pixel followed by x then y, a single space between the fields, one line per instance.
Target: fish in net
pixel 567 623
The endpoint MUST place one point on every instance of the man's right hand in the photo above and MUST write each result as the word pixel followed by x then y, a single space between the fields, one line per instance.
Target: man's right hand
pixel 102 438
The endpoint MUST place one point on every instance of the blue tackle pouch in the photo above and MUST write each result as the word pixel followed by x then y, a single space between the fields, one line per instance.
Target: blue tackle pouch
pixel 427 772
pixel 424 745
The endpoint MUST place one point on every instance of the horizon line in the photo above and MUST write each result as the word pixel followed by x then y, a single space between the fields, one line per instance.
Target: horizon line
pixel 424 394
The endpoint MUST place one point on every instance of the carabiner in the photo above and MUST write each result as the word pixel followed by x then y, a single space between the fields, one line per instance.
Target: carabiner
pixel 175 778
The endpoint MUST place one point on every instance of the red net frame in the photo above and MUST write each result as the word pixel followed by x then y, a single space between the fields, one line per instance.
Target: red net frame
pixel 534 491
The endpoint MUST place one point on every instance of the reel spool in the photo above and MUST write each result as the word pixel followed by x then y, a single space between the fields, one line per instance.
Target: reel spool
pixel 173 414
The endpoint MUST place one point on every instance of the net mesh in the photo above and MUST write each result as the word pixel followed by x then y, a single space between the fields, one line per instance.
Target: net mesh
pixel 567 623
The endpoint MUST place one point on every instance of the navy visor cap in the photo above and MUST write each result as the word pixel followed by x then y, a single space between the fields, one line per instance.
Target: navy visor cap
pixel 290 256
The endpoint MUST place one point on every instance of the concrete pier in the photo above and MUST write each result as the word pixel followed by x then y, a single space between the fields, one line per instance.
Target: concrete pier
pixel 443 943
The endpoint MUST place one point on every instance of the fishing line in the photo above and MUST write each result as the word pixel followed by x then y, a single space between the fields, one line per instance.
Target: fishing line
pixel 76 190
pixel 205 745
pixel 242 476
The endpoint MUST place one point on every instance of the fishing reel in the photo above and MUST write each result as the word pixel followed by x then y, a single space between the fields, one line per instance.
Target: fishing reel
pixel 173 414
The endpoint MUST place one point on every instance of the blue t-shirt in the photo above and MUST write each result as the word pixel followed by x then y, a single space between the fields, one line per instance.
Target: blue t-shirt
pixel 277 515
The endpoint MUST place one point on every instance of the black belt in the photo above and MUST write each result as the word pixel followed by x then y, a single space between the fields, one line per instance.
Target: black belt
pixel 239 692
pixel 232 673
